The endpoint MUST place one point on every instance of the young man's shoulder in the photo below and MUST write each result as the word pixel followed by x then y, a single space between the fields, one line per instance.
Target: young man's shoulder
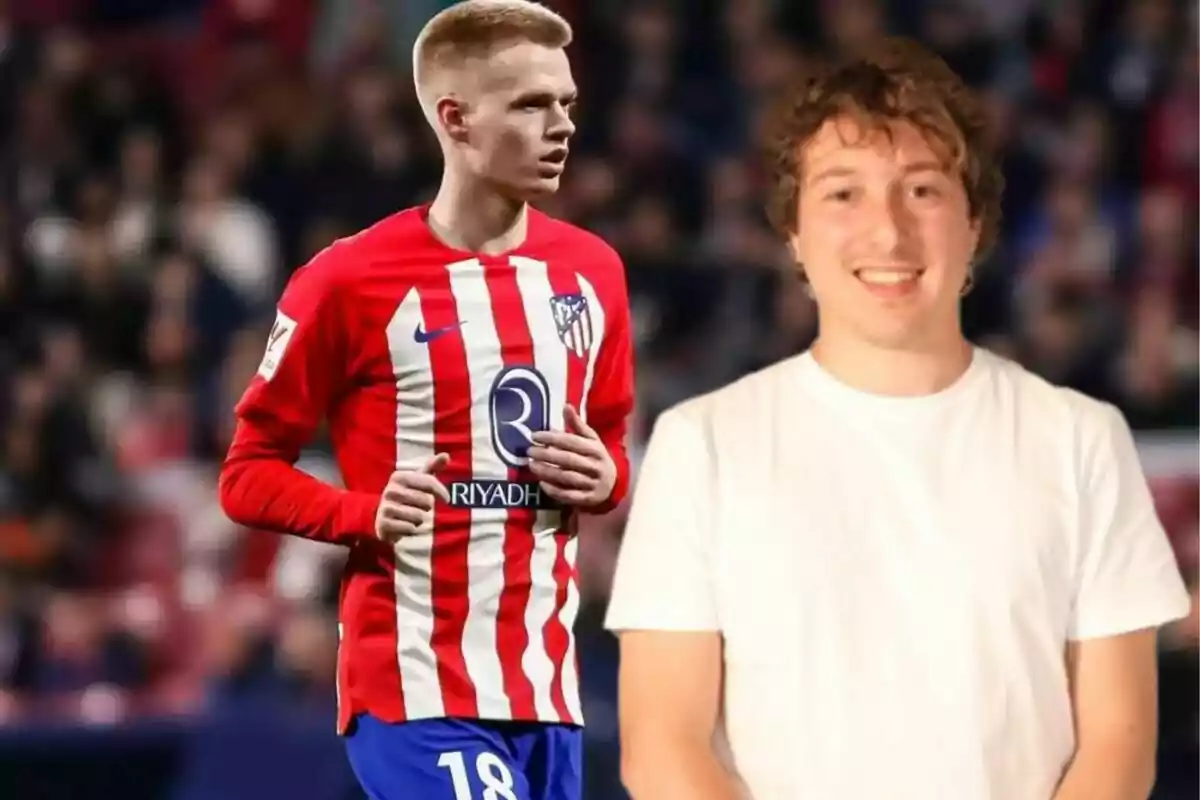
pixel 741 401
pixel 760 396
pixel 1060 406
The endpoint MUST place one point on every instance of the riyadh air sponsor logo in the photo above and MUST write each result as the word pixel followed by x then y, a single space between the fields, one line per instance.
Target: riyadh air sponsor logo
pixel 518 407
pixel 499 494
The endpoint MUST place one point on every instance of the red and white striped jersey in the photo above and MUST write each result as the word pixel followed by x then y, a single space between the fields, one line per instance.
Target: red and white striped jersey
pixel 407 348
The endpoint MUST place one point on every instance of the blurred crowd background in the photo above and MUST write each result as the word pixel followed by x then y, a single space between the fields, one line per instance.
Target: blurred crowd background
pixel 168 163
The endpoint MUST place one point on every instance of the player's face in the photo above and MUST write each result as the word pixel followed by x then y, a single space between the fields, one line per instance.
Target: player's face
pixel 884 234
pixel 519 123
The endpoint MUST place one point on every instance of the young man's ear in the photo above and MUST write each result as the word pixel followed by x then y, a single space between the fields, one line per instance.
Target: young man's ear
pixel 793 245
pixel 976 233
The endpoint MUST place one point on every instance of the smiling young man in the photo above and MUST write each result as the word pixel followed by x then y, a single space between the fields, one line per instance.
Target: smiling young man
pixel 895 566
pixel 472 359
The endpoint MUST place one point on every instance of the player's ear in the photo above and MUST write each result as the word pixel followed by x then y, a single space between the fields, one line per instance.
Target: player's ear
pixel 451 115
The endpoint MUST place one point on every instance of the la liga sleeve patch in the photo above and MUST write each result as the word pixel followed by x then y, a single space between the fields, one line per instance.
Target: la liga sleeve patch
pixel 277 342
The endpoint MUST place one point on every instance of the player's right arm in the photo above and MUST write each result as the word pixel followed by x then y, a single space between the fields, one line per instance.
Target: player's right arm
pixel 664 610
pixel 304 369
pixel 308 364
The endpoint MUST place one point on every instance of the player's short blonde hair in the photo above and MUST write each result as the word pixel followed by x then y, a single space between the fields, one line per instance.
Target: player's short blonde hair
pixel 474 29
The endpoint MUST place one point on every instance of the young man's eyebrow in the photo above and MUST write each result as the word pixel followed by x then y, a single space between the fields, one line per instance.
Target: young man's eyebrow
pixel 831 172
pixel 846 172
pixel 924 166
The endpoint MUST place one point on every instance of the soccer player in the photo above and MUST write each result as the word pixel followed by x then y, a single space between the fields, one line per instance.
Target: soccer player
pixel 472 360
pixel 896 565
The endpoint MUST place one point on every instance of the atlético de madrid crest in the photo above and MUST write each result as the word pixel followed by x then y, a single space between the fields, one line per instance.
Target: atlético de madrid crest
pixel 573 322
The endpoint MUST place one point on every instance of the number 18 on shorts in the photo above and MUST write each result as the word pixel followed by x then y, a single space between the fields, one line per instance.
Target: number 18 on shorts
pixel 457 759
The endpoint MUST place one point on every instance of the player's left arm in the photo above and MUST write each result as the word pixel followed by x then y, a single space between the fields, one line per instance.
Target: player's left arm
pixel 610 401
pixel 1127 585
pixel 587 465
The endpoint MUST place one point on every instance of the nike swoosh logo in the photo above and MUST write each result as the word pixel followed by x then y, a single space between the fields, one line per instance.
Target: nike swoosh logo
pixel 425 337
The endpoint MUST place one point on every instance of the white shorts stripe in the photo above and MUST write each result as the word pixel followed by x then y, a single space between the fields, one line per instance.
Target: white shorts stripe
pixel 413 575
pixel 550 358
pixel 485 554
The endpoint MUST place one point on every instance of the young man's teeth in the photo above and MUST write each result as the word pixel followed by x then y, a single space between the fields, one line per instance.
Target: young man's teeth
pixel 886 276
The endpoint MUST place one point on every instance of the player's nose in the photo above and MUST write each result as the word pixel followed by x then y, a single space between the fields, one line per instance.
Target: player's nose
pixel 561 129
pixel 559 134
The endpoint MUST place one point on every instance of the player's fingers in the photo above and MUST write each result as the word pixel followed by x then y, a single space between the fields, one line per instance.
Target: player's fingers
pixel 426 483
pixel 436 463
pixel 565 459
pixel 392 529
pixel 568 441
pixel 553 491
pixel 560 478
pixel 395 512
pixel 403 495
pixel 575 424
pixel 570 497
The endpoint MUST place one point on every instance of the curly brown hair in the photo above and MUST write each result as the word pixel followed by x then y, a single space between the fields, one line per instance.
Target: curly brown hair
pixel 897 81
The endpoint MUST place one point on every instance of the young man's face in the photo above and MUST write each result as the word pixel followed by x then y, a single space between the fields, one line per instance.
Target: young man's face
pixel 884 234
pixel 519 118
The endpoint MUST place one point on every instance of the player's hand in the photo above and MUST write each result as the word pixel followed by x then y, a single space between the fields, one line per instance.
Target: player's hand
pixel 573 466
pixel 408 499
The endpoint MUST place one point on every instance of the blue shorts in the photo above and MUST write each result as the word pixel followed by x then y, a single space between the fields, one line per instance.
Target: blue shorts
pixel 459 759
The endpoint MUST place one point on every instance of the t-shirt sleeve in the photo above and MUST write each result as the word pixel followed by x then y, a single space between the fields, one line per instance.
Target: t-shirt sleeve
pixel 663 579
pixel 610 400
pixel 1127 577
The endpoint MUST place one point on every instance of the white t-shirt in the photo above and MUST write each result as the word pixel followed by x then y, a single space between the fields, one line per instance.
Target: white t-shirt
pixel 895 579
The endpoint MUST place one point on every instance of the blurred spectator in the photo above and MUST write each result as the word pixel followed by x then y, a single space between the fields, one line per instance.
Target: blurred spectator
pixel 1156 374
pixel 1172 148
pixel 233 234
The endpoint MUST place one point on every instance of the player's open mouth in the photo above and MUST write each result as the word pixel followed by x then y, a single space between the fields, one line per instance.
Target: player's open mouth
pixel 889 281
pixel 552 164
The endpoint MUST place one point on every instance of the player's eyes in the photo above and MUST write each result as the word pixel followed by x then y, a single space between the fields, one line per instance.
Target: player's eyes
pixel 542 103
pixel 924 191
pixel 532 103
